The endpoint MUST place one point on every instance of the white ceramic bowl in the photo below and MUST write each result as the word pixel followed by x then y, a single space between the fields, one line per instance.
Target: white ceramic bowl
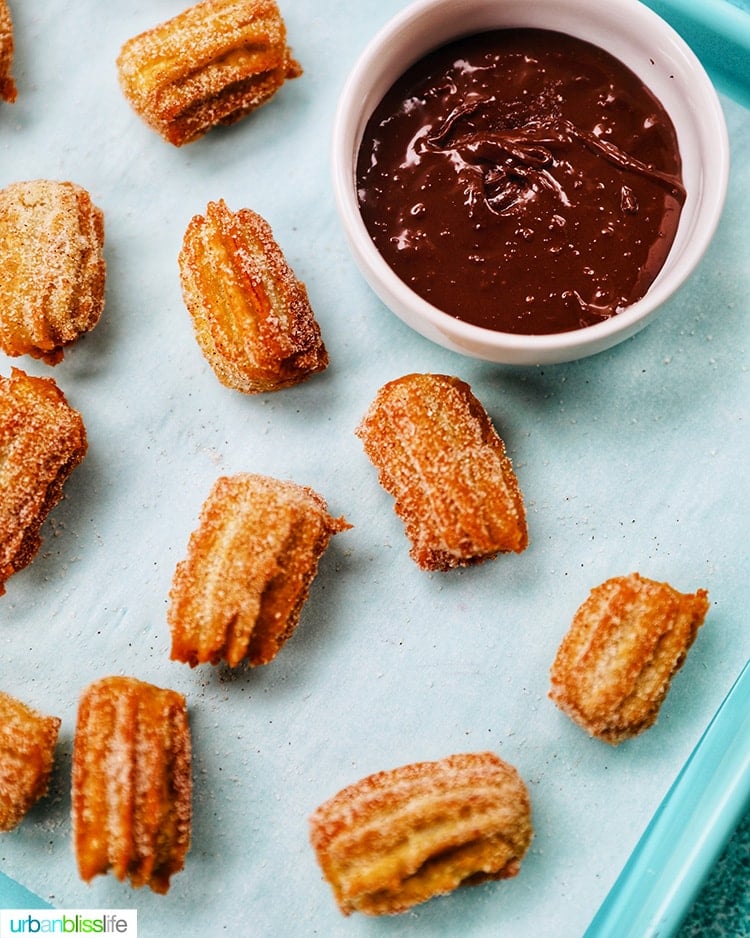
pixel 637 37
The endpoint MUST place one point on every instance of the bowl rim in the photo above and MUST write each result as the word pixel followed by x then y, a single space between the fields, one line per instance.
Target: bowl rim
pixel 348 125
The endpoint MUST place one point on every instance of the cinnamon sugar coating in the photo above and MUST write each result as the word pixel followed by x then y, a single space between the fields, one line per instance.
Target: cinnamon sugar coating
pixel 252 317
pixel 42 440
pixel 615 665
pixel 52 269
pixel 250 564
pixel 212 64
pixel 27 748
pixel 131 786
pixel 8 91
pixel 439 456
pixel 400 837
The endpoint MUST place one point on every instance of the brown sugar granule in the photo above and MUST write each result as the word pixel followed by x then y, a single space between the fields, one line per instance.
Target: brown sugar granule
pixel 132 783
pixel 42 440
pixel 52 268
pixel 212 64
pixel 615 665
pixel 8 91
pixel 250 564
pixel 27 748
pixel 252 316
pixel 399 837
pixel 438 454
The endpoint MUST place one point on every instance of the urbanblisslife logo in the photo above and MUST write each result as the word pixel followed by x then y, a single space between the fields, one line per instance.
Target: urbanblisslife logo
pixel 111 922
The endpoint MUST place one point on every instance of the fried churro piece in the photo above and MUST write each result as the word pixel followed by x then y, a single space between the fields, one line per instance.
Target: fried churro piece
pixel 131 786
pixel 52 269
pixel 438 454
pixel 42 440
pixel 249 568
pixel 8 91
pixel 212 64
pixel 252 317
pixel 27 750
pixel 400 837
pixel 616 663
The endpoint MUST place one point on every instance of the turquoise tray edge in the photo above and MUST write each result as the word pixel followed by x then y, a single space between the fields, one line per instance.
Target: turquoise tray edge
pixel 718 31
pixel 688 831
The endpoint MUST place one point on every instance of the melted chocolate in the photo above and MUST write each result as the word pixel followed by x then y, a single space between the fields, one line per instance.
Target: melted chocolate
pixel 522 180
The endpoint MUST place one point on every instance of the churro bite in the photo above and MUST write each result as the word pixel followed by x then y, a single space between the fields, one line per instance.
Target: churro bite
pixel 42 440
pixel 239 593
pixel 252 317
pixel 52 268
pixel 438 454
pixel 400 837
pixel 212 64
pixel 131 785
pixel 27 750
pixel 8 91
pixel 616 663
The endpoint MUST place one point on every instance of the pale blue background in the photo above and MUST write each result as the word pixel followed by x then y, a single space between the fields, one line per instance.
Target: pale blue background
pixel 634 459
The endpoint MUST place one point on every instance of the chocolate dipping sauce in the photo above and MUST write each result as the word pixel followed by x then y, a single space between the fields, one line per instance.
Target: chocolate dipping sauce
pixel 522 180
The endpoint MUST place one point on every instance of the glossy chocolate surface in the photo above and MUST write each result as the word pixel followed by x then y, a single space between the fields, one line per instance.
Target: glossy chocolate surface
pixel 522 180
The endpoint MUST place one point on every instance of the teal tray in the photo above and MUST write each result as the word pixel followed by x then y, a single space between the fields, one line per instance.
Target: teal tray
pixel 681 845
pixel 687 834
pixel 657 891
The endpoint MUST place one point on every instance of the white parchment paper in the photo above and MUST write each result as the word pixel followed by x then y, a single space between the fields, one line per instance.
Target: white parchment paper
pixel 632 460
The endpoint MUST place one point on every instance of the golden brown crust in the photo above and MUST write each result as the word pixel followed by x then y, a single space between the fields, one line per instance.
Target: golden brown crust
pixel 438 454
pixel 212 64
pixel 252 317
pixel 27 750
pixel 248 571
pixel 400 837
pixel 8 91
pixel 52 269
pixel 615 665
pixel 132 788
pixel 42 440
